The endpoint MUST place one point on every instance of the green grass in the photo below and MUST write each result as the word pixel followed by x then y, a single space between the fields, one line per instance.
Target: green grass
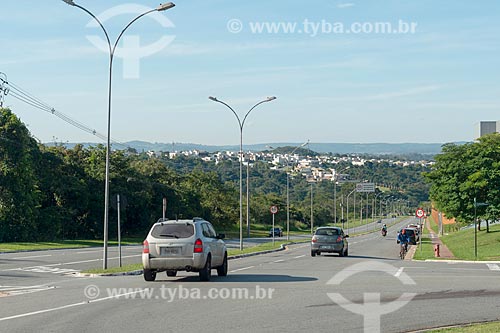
pixel 473 328
pixel 68 244
pixel 123 269
pixel 258 248
pixel 427 250
pixel 461 243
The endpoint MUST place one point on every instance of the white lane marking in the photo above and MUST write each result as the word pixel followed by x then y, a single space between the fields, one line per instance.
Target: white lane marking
pixel 399 272
pixel 42 311
pixel 21 290
pixel 493 267
pixel 45 269
pixel 68 306
pixel 85 252
pixel 241 269
pixel 41 256
pixel 281 260
pixel 297 257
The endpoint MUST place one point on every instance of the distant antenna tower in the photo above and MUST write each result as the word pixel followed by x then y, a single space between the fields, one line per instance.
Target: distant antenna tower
pixel 3 88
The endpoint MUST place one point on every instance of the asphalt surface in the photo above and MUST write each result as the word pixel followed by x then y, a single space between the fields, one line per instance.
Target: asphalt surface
pixel 286 291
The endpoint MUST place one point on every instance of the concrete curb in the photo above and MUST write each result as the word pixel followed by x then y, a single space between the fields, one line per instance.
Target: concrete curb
pixel 454 261
pixel 139 272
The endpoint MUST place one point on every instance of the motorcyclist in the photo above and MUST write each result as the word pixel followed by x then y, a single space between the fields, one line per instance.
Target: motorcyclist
pixel 384 229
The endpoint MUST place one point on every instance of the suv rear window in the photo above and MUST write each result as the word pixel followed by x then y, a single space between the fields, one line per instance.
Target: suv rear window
pixel 409 232
pixel 171 230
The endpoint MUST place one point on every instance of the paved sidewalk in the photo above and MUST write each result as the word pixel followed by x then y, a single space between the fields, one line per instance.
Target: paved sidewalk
pixel 444 252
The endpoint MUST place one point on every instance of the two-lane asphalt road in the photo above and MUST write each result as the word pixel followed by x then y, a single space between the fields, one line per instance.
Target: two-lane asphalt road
pixel 285 291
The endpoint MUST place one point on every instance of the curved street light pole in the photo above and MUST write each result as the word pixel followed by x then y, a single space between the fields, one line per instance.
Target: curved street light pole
pixel 112 49
pixel 241 123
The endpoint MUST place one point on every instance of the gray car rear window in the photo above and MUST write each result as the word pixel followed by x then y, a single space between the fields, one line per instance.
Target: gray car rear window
pixel 174 231
pixel 327 232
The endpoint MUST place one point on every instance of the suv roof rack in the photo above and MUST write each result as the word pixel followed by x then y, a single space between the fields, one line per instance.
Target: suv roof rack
pixel 161 219
pixel 198 219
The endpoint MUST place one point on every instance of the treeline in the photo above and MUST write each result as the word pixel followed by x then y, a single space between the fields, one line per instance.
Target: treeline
pixel 49 193
pixel 465 181
pixel 53 193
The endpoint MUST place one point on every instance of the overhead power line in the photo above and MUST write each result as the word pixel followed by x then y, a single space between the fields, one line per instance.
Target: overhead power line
pixel 7 87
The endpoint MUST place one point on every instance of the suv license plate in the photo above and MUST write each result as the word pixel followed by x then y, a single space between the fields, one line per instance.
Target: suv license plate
pixel 329 247
pixel 165 251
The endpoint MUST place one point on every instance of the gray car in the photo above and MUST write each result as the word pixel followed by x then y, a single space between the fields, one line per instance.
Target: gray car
pixel 329 240
pixel 184 245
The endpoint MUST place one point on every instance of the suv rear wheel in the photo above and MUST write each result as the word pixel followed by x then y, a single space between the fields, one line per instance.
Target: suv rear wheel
pixel 207 270
pixel 149 275
pixel 222 270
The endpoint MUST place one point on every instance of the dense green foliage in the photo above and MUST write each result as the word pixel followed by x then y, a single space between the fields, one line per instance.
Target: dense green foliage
pixel 53 193
pixel 466 172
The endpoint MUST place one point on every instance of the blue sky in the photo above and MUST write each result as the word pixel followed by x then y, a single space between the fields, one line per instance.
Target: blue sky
pixel 433 85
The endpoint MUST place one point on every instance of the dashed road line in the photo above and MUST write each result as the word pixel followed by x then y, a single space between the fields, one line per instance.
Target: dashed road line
pixel 493 267
pixel 241 269
pixel 298 257
pixel 31 257
pixel 399 272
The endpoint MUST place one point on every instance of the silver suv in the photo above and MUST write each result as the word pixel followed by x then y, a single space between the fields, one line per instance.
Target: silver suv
pixel 184 245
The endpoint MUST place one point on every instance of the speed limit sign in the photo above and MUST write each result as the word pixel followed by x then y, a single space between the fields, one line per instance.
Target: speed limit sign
pixel 420 213
pixel 273 209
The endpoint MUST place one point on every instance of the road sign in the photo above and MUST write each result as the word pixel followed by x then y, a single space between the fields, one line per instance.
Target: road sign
pixel 365 187
pixel 420 213
pixel 273 209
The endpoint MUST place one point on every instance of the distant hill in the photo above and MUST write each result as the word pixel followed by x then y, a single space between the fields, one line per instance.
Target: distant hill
pixel 334 148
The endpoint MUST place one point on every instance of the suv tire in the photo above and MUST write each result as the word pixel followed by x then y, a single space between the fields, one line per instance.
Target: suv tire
pixel 149 275
pixel 171 273
pixel 207 270
pixel 222 270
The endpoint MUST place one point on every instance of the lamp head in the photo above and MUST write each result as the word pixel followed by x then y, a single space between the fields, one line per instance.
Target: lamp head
pixel 70 2
pixel 164 6
pixel 213 98
pixel 272 98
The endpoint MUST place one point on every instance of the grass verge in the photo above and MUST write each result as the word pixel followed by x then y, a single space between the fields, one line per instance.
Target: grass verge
pixel 123 269
pixel 426 250
pixel 461 243
pixel 473 328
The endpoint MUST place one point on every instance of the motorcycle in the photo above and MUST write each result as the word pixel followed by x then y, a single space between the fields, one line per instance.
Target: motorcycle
pixel 384 232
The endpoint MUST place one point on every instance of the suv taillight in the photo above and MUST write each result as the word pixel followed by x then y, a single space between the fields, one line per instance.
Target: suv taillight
pixel 339 239
pixel 314 239
pixel 145 248
pixel 198 246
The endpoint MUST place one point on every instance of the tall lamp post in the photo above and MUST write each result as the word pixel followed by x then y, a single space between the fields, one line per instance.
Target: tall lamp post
pixel 347 216
pixel 288 192
pixel 335 178
pixel 312 209
pixel 112 49
pixel 241 124
pixel 374 211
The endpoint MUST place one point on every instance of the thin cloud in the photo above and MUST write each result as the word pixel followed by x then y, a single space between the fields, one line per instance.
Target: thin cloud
pixel 345 5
